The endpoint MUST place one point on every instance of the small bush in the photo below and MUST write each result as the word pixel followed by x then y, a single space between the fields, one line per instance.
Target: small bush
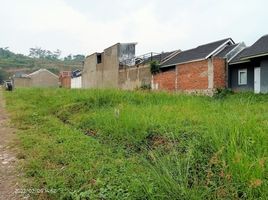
pixel 155 67
pixel 222 92
pixel 145 87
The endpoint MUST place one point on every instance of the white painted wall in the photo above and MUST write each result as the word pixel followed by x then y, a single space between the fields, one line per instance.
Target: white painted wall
pixel 76 82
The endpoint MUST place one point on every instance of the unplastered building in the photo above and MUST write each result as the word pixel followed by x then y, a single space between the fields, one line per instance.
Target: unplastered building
pixel 101 70
pixel 119 67
pixel 39 78
pixel 200 70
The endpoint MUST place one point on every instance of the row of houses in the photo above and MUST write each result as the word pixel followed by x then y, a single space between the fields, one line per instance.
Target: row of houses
pixel 45 78
pixel 118 67
pixel 203 69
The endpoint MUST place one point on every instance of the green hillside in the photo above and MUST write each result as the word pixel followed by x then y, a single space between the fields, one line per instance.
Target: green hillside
pixel 109 144
pixel 10 62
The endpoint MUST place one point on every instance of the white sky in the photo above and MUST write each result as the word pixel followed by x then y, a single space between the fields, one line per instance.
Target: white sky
pixel 87 26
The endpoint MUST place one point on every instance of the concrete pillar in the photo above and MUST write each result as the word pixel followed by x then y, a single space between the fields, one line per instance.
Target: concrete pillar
pixel 210 74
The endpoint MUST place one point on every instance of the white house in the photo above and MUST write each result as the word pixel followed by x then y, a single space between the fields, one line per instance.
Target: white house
pixel 76 80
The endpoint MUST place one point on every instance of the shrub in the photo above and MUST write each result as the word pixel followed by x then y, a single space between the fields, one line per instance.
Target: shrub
pixel 145 87
pixel 155 67
pixel 222 92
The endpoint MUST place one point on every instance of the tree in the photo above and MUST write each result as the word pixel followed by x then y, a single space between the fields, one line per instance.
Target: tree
pixel 79 57
pixel 68 58
pixel 57 54
pixel 6 53
pixel 76 58
pixel 38 52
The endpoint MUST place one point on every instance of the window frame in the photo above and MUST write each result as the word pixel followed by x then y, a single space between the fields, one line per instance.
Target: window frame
pixel 240 71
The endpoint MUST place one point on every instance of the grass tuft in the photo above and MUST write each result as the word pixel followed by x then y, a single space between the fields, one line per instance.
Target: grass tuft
pixel 110 144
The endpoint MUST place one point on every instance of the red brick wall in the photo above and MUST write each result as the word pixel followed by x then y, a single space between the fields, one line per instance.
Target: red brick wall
pixel 219 73
pixel 193 76
pixel 165 80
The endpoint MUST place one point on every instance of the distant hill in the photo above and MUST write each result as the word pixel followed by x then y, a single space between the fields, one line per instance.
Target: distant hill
pixel 10 62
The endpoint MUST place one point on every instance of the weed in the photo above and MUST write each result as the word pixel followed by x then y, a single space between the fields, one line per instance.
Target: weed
pixel 110 144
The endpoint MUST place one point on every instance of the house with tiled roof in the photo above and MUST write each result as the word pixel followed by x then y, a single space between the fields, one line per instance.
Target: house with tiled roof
pixel 202 69
pixel 248 70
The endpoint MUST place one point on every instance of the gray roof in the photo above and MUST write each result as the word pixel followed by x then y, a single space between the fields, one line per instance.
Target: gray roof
pixel 20 74
pixel 226 50
pixel 257 49
pixel 238 57
pixel 200 52
pixel 161 56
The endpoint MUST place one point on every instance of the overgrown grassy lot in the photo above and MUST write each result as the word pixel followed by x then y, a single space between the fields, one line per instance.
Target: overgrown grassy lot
pixel 108 144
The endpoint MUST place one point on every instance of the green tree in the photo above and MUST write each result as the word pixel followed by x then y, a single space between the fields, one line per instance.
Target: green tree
pixel 6 53
pixel 38 52
pixel 79 57
pixel 68 58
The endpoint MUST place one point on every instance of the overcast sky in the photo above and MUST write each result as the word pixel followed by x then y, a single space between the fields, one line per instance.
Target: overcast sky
pixel 87 26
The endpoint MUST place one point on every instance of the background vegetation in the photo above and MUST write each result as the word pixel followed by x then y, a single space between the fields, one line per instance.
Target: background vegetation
pixel 106 144
pixel 10 62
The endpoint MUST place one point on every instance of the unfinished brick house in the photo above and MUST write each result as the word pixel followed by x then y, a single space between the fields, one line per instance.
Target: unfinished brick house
pixel 101 70
pixel 199 70
pixel 118 67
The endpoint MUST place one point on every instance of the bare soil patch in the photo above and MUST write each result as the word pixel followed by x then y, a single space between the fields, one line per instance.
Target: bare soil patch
pixel 8 162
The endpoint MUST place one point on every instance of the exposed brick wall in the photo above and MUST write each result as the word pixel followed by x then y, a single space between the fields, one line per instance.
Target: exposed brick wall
pixel 219 73
pixel 165 80
pixel 193 76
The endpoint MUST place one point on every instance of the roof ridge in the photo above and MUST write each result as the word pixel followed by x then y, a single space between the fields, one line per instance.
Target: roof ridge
pixel 264 35
pixel 258 49
pixel 198 53
pixel 228 46
pixel 41 70
pixel 215 41
pixel 238 54
pixel 171 55
pixel 206 44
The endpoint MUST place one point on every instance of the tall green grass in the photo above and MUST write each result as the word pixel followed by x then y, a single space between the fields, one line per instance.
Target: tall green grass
pixel 110 144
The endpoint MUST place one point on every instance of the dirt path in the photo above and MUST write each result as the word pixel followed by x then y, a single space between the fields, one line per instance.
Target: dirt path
pixel 8 161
